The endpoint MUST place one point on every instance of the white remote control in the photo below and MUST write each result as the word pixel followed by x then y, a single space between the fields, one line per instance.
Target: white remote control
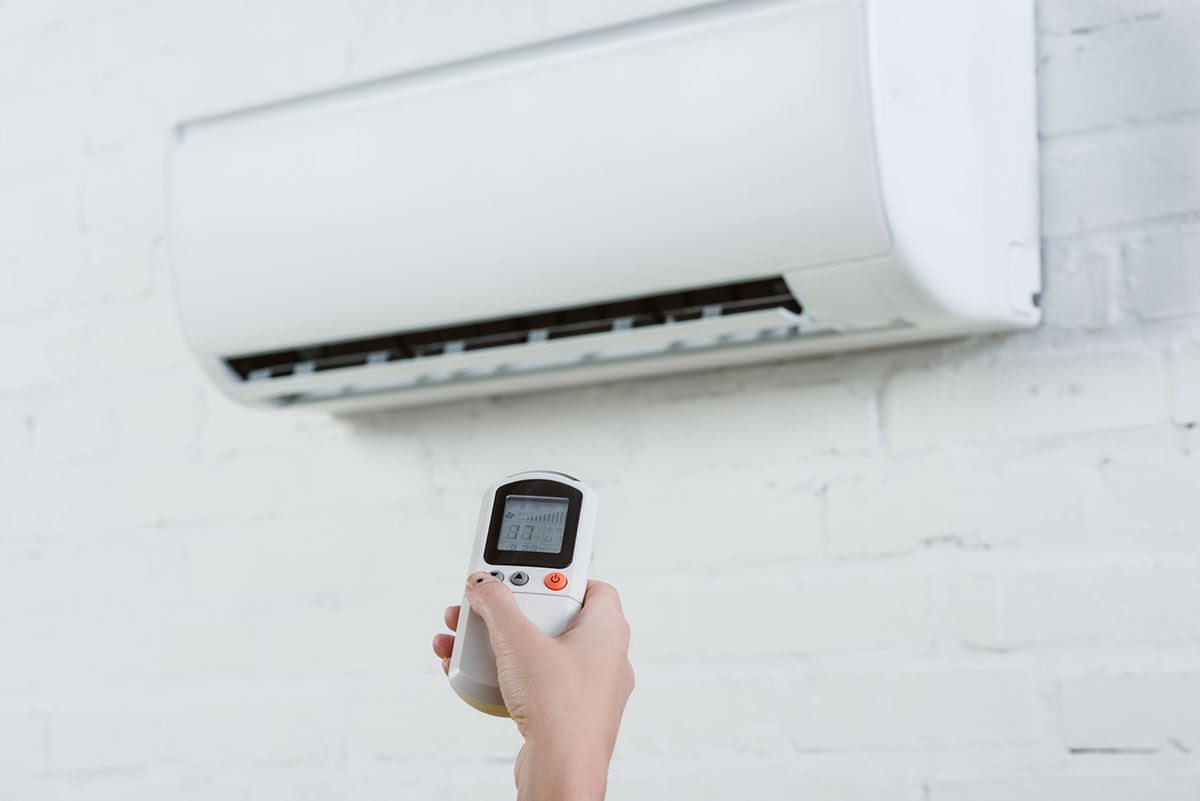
pixel 535 533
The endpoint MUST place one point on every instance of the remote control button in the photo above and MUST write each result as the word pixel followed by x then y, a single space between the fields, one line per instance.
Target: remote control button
pixel 499 576
pixel 519 578
pixel 556 581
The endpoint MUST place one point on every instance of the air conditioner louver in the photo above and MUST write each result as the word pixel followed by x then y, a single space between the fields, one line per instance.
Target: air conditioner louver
pixel 650 310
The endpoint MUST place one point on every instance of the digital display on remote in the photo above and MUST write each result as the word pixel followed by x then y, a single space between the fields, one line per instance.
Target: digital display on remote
pixel 532 523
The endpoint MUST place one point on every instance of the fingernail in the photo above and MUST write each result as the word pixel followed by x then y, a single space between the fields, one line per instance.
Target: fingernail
pixel 475 579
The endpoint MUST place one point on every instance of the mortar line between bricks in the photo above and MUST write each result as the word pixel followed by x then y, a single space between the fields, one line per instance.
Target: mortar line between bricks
pixel 1184 219
pixel 1164 225
pixel 1056 144
pixel 1149 124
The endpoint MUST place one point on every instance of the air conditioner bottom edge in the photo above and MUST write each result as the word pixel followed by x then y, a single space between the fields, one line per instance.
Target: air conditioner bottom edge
pixel 337 393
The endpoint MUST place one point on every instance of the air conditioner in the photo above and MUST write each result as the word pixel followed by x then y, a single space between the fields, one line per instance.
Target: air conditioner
pixel 740 182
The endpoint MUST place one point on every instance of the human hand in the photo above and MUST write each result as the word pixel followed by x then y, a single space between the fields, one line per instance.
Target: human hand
pixel 566 694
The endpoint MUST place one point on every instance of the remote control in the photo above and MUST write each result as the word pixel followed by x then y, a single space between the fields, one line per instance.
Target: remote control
pixel 535 534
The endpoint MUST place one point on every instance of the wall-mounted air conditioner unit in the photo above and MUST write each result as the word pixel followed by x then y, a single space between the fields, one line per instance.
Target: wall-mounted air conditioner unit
pixel 742 182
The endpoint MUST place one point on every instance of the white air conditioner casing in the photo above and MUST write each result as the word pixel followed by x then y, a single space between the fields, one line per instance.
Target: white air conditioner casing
pixel 630 201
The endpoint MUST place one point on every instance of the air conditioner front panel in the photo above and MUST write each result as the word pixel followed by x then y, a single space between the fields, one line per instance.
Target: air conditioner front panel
pixel 722 145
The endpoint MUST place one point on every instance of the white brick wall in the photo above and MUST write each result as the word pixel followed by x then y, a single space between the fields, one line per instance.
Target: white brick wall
pixel 965 572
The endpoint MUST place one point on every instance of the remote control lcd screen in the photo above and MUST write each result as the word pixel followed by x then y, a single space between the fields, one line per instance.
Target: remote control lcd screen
pixel 533 523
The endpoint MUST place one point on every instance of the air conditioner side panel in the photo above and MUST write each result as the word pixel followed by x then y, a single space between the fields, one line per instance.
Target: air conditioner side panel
pixel 956 135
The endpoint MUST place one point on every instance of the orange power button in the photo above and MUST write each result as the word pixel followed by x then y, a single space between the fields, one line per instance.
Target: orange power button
pixel 556 581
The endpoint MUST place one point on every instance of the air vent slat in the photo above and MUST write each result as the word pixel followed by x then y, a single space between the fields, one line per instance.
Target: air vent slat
pixel 651 310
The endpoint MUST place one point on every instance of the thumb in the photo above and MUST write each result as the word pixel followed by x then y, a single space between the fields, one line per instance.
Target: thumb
pixel 493 601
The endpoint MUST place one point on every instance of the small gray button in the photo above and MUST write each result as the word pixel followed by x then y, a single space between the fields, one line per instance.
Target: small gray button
pixel 499 576
pixel 519 578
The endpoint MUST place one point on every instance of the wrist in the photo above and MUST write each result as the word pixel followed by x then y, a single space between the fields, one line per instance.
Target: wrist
pixel 562 769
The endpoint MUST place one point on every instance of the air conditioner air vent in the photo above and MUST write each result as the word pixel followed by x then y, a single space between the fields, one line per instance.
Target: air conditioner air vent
pixel 669 308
